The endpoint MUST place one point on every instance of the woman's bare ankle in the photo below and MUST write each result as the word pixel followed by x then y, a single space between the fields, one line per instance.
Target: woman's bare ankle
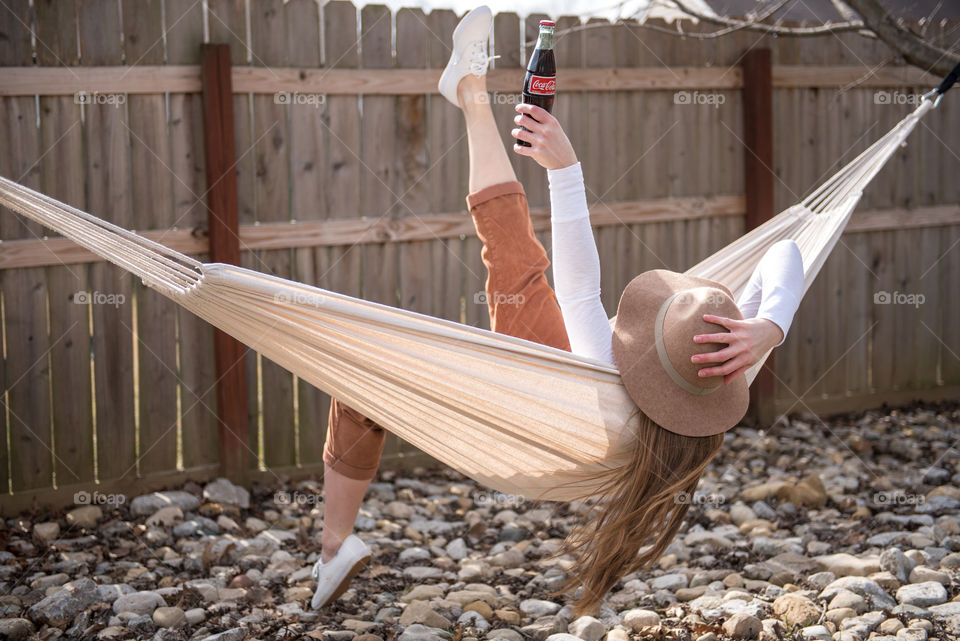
pixel 472 91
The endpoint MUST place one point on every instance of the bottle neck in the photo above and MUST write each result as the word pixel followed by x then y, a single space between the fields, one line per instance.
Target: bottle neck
pixel 545 41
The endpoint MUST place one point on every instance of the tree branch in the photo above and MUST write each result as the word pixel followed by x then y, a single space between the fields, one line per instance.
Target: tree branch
pixel 756 24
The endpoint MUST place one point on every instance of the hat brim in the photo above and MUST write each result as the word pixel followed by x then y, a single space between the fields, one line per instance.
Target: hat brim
pixel 646 380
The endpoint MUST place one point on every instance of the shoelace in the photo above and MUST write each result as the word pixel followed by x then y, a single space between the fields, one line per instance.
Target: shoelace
pixel 479 60
pixel 316 569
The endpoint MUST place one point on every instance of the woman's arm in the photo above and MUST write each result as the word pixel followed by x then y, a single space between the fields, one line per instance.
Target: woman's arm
pixel 576 264
pixel 768 303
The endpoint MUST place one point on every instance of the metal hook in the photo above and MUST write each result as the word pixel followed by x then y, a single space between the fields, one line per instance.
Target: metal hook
pixel 931 93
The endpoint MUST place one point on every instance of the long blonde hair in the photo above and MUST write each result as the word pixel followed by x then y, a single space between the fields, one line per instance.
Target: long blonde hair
pixel 641 504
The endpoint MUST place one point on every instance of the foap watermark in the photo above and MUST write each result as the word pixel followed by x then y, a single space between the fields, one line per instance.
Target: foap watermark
pixel 498 299
pixel 698 498
pixel 898 298
pixel 498 500
pixel 714 99
pixel 98 298
pixel 297 498
pixel 892 499
pixel 97 98
pixel 299 298
pixel 497 98
pixel 98 498
pixel 713 297
pixel 896 98
pixel 315 100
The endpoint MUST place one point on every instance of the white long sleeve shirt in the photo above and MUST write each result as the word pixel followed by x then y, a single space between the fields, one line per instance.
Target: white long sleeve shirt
pixel 773 291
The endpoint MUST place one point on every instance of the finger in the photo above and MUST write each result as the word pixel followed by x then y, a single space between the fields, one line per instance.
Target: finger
pixel 524 135
pixel 523 151
pixel 530 123
pixel 721 370
pixel 729 378
pixel 539 113
pixel 729 323
pixel 725 337
pixel 718 356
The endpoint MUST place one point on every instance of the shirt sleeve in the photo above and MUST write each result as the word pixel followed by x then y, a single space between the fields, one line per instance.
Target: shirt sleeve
pixel 576 266
pixel 775 286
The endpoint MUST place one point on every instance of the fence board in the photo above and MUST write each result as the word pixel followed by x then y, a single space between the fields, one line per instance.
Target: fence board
pixel 308 161
pixel 198 403
pixel 271 153
pixel 108 190
pixel 152 195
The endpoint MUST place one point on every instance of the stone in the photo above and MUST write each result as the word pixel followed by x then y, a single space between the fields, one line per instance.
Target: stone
pixel 922 594
pixel 670 582
pixel 743 626
pixel 820 580
pixel 506 634
pixel 816 633
pixel 420 632
pixel 894 561
pixel 233 634
pixel 543 627
pixel 421 612
pixel 838 615
pixel 47 531
pixel 165 516
pixel 587 628
pixel 457 549
pixel 398 510
pixel 863 586
pixel 473 619
pixel 150 503
pixel 562 636
pixel 85 517
pixel 141 603
pixel 224 492
pixel 796 610
pixel 16 629
pixel 537 608
pixel 58 609
pixel 921 574
pixel 422 572
pixel 481 608
pixel 844 564
pixel 845 599
pixel 809 492
pixel 166 617
pixel 195 616
pixel 422 593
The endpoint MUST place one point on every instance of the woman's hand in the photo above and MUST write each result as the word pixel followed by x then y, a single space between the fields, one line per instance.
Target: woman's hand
pixel 548 144
pixel 747 341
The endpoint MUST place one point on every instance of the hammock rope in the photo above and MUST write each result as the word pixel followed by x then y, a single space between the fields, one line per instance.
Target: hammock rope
pixel 517 416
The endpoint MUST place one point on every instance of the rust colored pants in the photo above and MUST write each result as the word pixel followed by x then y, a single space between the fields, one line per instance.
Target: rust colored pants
pixel 520 301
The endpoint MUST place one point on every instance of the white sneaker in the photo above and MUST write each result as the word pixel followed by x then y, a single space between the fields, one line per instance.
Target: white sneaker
pixel 334 576
pixel 469 51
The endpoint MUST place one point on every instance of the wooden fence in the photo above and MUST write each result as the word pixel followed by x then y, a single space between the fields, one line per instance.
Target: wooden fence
pixel 352 172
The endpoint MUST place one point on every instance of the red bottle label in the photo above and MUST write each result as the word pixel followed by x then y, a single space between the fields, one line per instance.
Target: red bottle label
pixel 543 85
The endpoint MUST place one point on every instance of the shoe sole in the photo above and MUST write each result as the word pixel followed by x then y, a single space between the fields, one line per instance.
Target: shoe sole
pixel 354 571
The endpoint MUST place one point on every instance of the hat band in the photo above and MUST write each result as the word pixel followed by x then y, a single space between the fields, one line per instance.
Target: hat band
pixel 665 360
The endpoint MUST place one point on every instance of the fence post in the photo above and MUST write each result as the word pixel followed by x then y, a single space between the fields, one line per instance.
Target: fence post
pixel 223 228
pixel 758 175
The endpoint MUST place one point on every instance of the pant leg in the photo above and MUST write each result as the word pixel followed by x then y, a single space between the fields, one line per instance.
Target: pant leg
pixel 519 298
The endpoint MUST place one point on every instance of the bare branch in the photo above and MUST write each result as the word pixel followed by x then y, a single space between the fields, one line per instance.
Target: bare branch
pixel 755 24
pixel 912 47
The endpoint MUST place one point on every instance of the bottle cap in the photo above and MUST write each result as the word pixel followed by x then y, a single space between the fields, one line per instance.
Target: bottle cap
pixel 547 23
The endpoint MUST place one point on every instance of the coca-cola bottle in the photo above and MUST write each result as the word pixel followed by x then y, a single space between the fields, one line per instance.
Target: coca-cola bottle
pixel 540 84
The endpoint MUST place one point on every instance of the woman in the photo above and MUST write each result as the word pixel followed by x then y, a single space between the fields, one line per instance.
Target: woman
pixel 658 357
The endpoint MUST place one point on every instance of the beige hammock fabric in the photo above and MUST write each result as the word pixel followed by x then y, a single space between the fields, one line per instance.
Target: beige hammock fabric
pixel 514 415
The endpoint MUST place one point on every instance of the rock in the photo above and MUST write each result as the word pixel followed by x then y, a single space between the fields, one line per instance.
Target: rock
pixel 587 628
pixel 796 610
pixel 422 593
pixel 141 603
pixel 150 503
pixel 421 572
pixel 481 608
pixel 740 514
pixel 195 616
pixel 225 492
pixel 16 629
pixel 419 632
pixel 537 608
pixel 165 516
pixel 921 574
pixel 743 626
pixel 820 580
pixel 47 531
pixel 562 636
pixel 85 517
pixel 421 612
pixel 945 610
pixel 845 599
pixel 59 609
pixel 809 492
pixel 672 582
pixel 707 538
pixel 816 633
pixel 863 586
pixel 922 594
pixel 233 634
pixel 506 634
pixel 457 549
pixel 475 620
pixel 543 627
pixel 848 565
pixel 838 615
pixel 894 561
pixel 166 617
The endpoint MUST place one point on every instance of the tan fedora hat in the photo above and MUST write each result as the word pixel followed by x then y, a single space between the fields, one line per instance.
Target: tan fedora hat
pixel 660 311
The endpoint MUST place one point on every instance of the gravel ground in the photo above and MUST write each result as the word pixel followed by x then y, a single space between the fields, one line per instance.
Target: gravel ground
pixel 847 529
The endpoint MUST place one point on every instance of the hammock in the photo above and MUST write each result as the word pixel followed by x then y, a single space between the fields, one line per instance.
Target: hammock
pixel 514 415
